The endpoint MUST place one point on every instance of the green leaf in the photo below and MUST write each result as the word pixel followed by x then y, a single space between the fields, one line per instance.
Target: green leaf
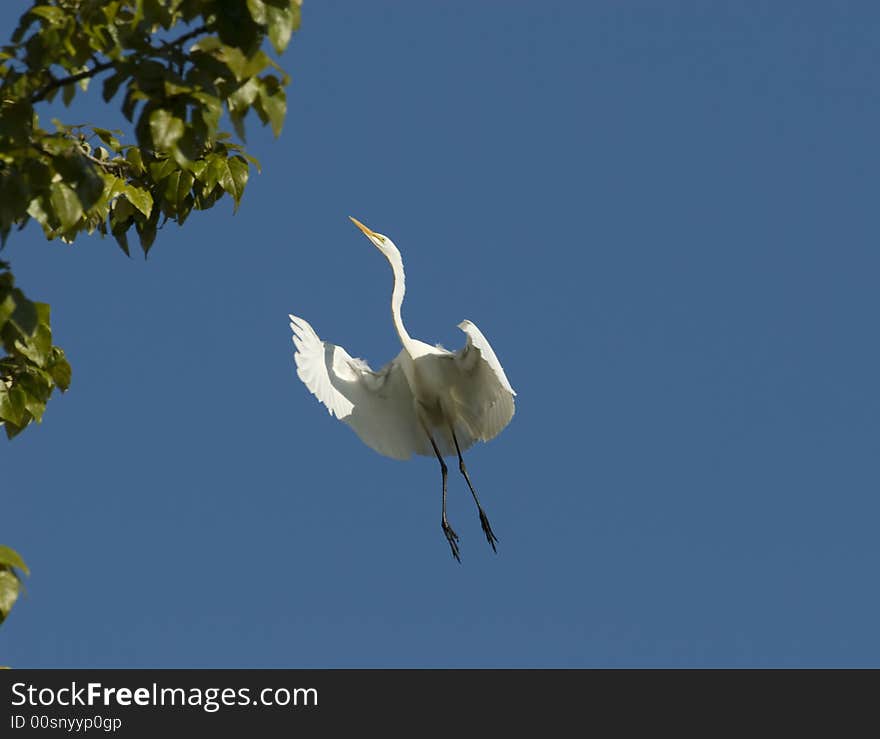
pixel 254 161
pixel 211 108
pixel 150 77
pixel 112 83
pixel 172 88
pixel 37 391
pixel 165 129
pixel 9 590
pixel 241 99
pixel 113 186
pixel 54 15
pixel 66 205
pixel 177 187
pixel 233 176
pixel 274 101
pixel 133 157
pixel 37 209
pixel 257 11
pixel 161 169
pixel 199 169
pixel 11 558
pixel 7 308
pixel 191 146
pixel 108 138
pixel 68 92
pixel 242 66
pixel 235 26
pixel 147 231
pixel 237 119
pixel 139 198
pixel 130 101
pixel 12 430
pixel 23 24
pixel 82 175
pixel 207 44
pixel 25 315
pixel 119 233
pixel 12 400
pixel 280 21
pixel 44 313
pixel 59 369
pixel 37 346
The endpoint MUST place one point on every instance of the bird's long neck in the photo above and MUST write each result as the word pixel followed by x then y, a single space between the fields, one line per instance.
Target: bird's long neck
pixel 397 299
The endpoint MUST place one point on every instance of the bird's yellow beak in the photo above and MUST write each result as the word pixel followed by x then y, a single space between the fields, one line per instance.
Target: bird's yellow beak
pixel 367 232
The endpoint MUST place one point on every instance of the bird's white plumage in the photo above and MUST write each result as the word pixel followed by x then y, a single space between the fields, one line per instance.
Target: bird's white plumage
pixel 381 407
pixel 480 389
pixel 424 390
pixel 377 405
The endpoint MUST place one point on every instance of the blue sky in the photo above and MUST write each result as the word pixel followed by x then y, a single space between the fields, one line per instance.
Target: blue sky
pixel 664 217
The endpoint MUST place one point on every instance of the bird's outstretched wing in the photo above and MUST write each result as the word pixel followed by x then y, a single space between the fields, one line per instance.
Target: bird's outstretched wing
pixel 377 405
pixel 479 388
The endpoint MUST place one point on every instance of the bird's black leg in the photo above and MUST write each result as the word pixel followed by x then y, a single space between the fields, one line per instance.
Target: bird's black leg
pixel 451 536
pixel 484 521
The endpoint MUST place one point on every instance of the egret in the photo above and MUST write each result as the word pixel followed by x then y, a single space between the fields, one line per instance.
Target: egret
pixel 426 400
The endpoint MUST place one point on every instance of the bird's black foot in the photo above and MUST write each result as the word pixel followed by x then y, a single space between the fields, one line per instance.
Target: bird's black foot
pixel 452 538
pixel 487 530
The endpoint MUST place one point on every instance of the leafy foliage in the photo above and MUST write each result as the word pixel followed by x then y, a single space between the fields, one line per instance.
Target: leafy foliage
pixel 175 66
pixel 10 579
pixel 32 367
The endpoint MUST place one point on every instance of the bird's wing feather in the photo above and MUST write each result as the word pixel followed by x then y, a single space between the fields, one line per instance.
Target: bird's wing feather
pixel 480 390
pixel 377 405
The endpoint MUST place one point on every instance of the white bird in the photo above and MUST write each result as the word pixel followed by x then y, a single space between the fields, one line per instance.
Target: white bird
pixel 426 400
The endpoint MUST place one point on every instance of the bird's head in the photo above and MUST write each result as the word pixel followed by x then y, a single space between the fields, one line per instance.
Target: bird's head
pixel 380 241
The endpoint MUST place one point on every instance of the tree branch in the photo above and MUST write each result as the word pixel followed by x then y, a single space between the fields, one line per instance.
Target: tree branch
pixel 178 41
pixel 114 166
pixel 117 166
pixel 55 82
